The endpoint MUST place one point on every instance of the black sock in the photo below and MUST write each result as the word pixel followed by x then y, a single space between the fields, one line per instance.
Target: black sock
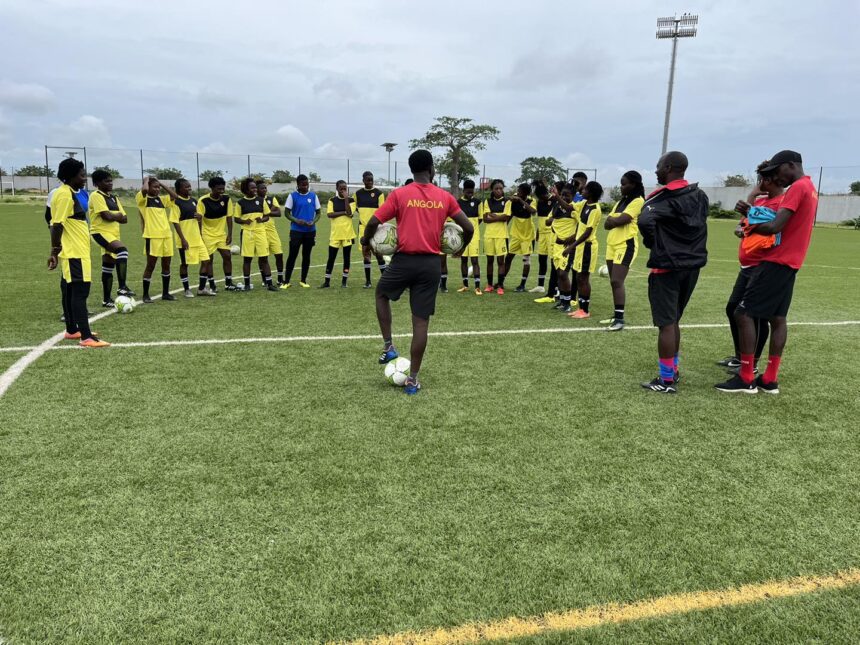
pixel 107 283
pixel 523 283
pixel 165 283
pixel 584 303
pixel 122 268
pixel 367 271
pixel 443 281
pixel 344 277
pixel 327 278
pixel 228 280
pixel 501 281
pixel 466 281
pixel 184 281
pixel 146 282
pixel 202 285
pixel 212 282
pixel 267 280
pixel 247 280
pixel 477 283
pixel 382 265
pixel 619 312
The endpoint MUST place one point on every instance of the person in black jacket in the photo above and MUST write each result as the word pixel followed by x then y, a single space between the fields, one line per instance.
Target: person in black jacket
pixel 674 226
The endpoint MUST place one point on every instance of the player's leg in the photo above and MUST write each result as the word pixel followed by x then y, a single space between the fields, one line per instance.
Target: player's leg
pixel 294 248
pixel 66 301
pixel 380 260
pixel 509 260
pixel 617 277
pixel 147 271
pixel 762 335
pixel 443 278
pixel 266 272
pixel 490 262
pixel 107 280
pixel 307 248
pixel 542 267
pixel 583 288
pixel 664 296
pixel 347 253
pixel 329 266
pixel 564 290
pixel 527 265
pixel 464 274
pixel 165 276
pixel 500 267
pixel 476 274
pixel 205 273
pixel 246 271
pixel 365 255
pixel 420 328
pixel 183 273
pixel 79 292
pixel 737 294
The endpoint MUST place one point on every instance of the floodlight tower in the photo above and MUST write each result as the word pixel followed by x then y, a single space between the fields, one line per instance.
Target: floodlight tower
pixel 674 28
pixel 388 148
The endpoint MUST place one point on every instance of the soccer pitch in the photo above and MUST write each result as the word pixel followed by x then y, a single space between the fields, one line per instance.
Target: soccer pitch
pixel 222 490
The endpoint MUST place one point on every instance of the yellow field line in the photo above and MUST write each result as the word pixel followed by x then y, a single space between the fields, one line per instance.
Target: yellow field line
pixel 597 615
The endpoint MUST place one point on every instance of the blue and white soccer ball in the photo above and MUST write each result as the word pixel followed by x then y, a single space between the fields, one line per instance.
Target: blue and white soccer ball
pixel 397 371
pixel 124 304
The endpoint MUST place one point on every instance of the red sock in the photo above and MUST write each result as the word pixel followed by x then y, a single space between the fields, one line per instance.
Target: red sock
pixel 747 372
pixel 772 369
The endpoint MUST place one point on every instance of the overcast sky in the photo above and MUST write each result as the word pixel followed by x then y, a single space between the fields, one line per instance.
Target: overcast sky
pixel 583 81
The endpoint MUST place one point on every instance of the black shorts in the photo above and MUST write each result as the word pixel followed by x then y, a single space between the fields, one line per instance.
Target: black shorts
pixel 740 287
pixel 304 238
pixel 420 274
pixel 768 292
pixel 669 294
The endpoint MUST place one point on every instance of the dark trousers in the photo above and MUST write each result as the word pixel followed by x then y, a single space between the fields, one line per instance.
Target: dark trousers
pixel 303 242
pixel 75 296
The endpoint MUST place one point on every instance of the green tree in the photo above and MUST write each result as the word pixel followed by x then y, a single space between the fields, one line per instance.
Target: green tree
pixel 468 167
pixel 314 177
pixel 855 188
pixel 282 177
pixel 736 180
pixel 547 168
pixel 456 136
pixel 206 175
pixel 116 174
pixel 32 170
pixel 164 173
pixel 615 193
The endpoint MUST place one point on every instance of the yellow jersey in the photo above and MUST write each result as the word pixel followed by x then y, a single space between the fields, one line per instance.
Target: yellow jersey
pixel 272 203
pixel 251 208
pixel 156 222
pixel 563 222
pixel 99 203
pixel 183 211
pixel 588 217
pixel 522 226
pixel 215 213
pixel 367 202
pixel 341 227
pixel 66 209
pixel 629 231
pixel 496 230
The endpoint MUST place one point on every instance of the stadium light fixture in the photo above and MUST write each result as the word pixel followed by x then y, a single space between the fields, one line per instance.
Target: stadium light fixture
pixel 684 27
pixel 388 148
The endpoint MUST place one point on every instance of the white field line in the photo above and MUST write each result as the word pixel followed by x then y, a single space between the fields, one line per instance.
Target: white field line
pixel 438 334
pixel 34 353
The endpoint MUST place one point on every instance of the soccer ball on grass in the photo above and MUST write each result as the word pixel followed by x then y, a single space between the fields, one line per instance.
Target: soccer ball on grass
pixel 397 371
pixel 234 250
pixel 124 304
pixel 603 271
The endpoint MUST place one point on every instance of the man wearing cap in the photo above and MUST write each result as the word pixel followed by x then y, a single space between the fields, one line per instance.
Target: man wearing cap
pixel 769 290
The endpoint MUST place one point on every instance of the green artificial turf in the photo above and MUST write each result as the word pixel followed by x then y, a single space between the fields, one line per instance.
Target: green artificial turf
pixel 282 491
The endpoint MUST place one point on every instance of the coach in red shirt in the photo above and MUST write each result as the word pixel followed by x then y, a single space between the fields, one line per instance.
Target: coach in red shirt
pixel 420 209
pixel 768 293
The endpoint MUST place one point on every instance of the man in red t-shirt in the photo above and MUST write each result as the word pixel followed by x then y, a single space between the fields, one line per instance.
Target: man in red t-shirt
pixel 767 193
pixel 421 209
pixel 768 293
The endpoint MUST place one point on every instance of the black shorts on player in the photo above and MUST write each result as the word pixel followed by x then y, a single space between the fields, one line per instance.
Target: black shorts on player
pixel 669 294
pixel 418 273
pixel 768 292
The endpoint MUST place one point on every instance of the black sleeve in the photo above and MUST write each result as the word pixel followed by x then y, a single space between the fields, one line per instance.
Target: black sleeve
pixel 48 215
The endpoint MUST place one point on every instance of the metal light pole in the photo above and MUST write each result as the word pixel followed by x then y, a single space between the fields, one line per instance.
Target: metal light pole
pixel 674 28
pixel 388 148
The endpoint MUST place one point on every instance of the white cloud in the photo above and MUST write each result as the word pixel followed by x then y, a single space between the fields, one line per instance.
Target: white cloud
pixel 87 130
pixel 26 97
pixel 288 139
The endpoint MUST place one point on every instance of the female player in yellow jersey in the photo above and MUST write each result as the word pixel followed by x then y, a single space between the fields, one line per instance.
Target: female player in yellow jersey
pixel 471 206
pixel 70 250
pixel 543 206
pixel 106 214
pixel 522 232
pixel 189 239
pixel 252 213
pixel 276 248
pixel 496 211
pixel 155 225
pixel 217 211
pixel 563 226
pixel 584 247
pixel 340 211
pixel 622 241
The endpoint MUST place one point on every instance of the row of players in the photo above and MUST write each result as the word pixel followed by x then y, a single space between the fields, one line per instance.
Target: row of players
pixel 566 234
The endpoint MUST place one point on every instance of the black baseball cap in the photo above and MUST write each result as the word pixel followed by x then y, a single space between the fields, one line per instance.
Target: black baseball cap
pixel 781 157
